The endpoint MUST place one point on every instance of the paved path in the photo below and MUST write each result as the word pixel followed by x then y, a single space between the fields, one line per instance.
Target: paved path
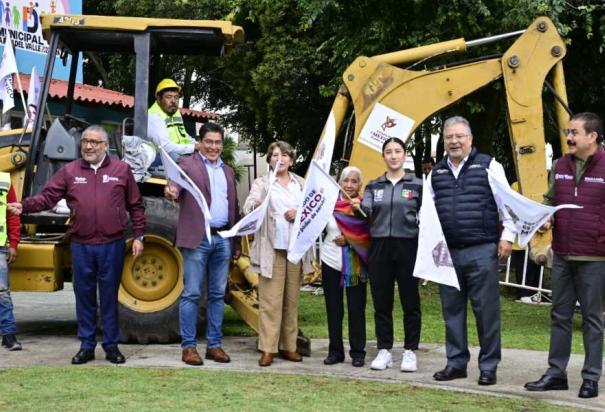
pixel 46 324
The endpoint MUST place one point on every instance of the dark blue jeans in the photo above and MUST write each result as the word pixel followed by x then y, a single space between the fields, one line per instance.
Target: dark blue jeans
pixel 7 319
pixel 97 264
pixel 212 259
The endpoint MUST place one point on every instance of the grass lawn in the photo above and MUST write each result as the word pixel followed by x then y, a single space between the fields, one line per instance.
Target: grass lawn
pixel 523 326
pixel 115 389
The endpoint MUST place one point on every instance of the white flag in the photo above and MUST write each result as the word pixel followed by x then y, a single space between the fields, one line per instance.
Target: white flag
pixel 323 156
pixel 33 95
pixel 319 198
pixel 176 174
pixel 433 259
pixel 526 214
pixel 307 225
pixel 252 222
pixel 8 66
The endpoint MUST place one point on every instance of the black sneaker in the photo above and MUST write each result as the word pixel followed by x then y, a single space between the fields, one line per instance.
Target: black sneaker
pixel 11 343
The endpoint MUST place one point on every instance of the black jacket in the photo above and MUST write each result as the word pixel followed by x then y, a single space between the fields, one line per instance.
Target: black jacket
pixel 393 210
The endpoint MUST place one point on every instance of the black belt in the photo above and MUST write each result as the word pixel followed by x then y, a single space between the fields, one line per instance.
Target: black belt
pixel 215 230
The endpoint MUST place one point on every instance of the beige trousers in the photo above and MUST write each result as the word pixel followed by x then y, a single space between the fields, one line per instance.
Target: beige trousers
pixel 278 306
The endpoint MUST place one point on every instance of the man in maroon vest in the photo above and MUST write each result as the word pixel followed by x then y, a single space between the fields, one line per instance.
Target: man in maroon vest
pixel 578 269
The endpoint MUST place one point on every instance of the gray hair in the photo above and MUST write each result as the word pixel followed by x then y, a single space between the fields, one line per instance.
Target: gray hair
pixel 347 171
pixel 95 128
pixel 457 120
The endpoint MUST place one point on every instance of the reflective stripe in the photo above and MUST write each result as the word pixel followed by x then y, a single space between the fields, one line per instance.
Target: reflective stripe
pixel 174 124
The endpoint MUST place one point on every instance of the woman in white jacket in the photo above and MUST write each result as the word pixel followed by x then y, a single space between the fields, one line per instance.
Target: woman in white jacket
pixel 279 280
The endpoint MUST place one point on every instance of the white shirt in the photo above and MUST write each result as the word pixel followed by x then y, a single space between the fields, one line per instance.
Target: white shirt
pixel 282 199
pixel 331 253
pixel 96 166
pixel 157 132
pixel 508 231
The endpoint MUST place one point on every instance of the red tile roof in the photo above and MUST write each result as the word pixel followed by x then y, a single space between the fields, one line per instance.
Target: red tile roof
pixel 97 95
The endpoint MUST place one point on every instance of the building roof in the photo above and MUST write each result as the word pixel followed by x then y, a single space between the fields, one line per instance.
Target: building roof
pixel 86 93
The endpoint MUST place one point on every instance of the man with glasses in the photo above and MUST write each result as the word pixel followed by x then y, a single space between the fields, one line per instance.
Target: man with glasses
pixel 165 127
pixel 202 256
pixel 469 217
pixel 578 268
pixel 101 193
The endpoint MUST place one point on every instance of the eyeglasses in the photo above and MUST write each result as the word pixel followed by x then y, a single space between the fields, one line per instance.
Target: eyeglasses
pixel 455 136
pixel 210 143
pixel 93 143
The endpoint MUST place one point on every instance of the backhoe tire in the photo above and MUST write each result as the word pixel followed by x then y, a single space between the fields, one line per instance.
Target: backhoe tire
pixel 149 328
pixel 151 284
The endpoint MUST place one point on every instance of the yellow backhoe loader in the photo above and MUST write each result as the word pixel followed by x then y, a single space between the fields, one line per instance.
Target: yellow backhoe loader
pixel 152 283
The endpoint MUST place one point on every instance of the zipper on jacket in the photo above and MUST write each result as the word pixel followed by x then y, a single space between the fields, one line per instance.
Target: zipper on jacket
pixel 391 211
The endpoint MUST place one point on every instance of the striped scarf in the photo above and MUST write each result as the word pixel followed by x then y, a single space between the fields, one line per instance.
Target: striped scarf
pixel 356 231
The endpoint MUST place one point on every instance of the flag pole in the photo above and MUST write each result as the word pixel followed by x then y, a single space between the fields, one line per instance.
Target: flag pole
pixel 350 200
pixel 25 109
pixel 342 190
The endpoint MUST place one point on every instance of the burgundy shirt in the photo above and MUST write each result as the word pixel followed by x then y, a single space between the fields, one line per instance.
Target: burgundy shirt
pixel 98 200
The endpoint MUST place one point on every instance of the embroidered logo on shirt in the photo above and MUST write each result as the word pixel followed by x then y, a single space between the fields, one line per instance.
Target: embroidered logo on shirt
pixel 80 180
pixel 475 167
pixel 560 176
pixel 378 194
pixel 591 179
pixel 440 171
pixel 107 178
pixel 407 194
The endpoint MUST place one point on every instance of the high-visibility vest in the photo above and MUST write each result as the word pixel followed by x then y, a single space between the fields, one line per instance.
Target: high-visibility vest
pixel 174 124
pixel 5 184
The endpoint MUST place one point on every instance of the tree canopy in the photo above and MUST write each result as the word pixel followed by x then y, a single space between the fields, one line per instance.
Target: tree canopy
pixel 281 83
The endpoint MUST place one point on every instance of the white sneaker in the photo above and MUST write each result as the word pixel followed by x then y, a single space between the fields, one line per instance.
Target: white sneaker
pixel 383 360
pixel 533 299
pixel 408 363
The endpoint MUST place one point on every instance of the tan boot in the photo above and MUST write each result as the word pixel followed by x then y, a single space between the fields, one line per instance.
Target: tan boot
pixel 192 357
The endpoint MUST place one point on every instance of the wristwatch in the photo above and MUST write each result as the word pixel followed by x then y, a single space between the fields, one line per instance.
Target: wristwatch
pixel 139 238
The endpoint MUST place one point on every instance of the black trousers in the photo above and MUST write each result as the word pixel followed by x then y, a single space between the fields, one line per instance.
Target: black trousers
pixel 356 305
pixel 392 260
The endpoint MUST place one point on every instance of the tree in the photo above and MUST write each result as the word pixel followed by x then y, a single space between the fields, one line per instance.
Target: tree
pixel 280 84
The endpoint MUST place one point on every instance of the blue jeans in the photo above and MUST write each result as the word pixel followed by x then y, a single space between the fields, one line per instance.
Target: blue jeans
pixel 7 319
pixel 212 259
pixel 92 265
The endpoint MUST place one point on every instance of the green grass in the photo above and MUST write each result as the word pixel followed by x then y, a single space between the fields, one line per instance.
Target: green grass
pixel 106 388
pixel 523 326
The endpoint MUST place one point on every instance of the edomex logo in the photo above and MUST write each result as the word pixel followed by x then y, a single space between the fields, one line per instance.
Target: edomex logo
pixel 388 123
pixel 311 206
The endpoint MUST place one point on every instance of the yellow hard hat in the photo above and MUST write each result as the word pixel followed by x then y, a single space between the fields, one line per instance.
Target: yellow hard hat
pixel 167 84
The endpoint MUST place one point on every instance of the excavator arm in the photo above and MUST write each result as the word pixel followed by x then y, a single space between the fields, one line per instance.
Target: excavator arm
pixel 420 94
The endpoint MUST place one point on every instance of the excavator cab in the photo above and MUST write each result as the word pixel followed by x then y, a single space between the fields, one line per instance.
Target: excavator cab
pixel 151 284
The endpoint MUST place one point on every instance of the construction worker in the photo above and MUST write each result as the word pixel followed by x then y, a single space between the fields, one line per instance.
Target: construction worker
pixel 165 127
